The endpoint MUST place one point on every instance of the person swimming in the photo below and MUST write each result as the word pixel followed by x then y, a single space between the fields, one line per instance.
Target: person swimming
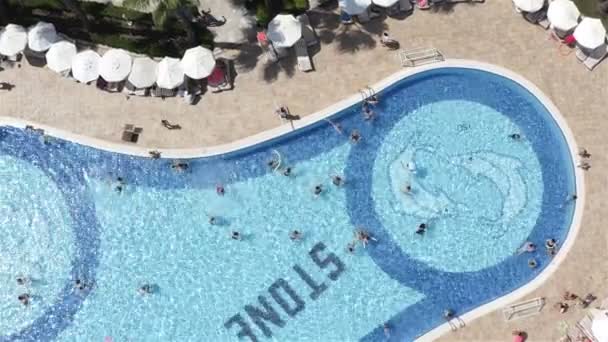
pixel 528 247
pixel 235 235
pixel 22 280
pixel 119 187
pixel 421 229
pixel 295 235
pixel 387 330
pixel 355 136
pixel 532 263
pixel 407 189
pixel 318 189
pixel 219 189
pixel 79 284
pixel 368 113
pixel 179 166
pixel 273 164
pixel 146 289
pixel 287 172
pixel 212 220
pixel 515 136
pixel 337 180
pixel 551 246
pixel 350 247
pixel 24 298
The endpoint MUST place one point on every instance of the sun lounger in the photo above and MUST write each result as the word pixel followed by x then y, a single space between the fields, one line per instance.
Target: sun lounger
pixel 523 309
pixel 304 63
pixel 405 6
pixel 584 325
pixel 580 55
pixel 536 17
pixel 595 57
pixel 308 32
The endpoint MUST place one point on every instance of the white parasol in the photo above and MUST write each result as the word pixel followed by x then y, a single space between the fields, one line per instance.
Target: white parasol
pixel 529 5
pixel 170 73
pixel 60 55
pixel 41 36
pixel 284 30
pixel 115 65
pixel 85 66
pixel 563 14
pixel 354 7
pixel 198 62
pixel 590 33
pixel 13 39
pixel 386 3
pixel 143 72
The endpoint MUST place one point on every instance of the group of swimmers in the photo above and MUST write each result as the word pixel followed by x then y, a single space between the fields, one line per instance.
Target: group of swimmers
pixel 530 247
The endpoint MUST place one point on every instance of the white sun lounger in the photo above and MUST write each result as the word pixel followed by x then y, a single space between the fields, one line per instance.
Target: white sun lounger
pixel 523 309
pixel 584 325
pixel 308 32
pixel 594 58
pixel 304 63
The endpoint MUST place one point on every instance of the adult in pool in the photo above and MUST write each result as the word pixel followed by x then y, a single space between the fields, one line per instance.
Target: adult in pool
pixel 22 280
pixel 287 172
pixel 407 189
pixel 515 136
pixel 179 166
pixel 79 284
pixel 355 136
pixel 551 246
pixel 350 247
pixel 337 180
pixel 235 235
pixel 368 113
pixel 120 184
pixel 145 289
pixel 421 229
pixel 295 235
pixel 532 263
pixel 24 298
pixel 318 189
pixel 219 189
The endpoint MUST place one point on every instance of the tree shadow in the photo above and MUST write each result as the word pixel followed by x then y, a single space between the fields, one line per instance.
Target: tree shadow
pixel 447 7
pixel 329 30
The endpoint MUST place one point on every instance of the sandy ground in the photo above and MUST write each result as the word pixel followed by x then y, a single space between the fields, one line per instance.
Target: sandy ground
pixel 349 59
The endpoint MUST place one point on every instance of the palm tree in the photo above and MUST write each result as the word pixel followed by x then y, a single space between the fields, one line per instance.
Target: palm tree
pixel 179 9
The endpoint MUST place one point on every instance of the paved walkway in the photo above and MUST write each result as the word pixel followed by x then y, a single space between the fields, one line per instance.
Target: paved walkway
pixel 349 59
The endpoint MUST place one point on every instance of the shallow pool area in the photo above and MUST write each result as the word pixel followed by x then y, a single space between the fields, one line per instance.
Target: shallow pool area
pixel 473 155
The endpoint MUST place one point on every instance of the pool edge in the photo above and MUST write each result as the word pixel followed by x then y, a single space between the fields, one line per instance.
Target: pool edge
pixel 343 104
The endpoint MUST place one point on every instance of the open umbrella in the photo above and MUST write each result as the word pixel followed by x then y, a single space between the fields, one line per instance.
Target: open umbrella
pixel 198 62
pixel 563 14
pixel 590 33
pixel 354 7
pixel 284 30
pixel 387 3
pixel 13 39
pixel 41 36
pixel 143 72
pixel 85 66
pixel 599 325
pixel 529 5
pixel 170 73
pixel 115 65
pixel 60 55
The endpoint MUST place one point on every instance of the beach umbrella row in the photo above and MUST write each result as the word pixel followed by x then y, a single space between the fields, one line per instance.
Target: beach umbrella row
pixel 13 39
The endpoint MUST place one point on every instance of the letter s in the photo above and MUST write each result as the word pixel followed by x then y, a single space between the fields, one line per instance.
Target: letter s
pixel 330 259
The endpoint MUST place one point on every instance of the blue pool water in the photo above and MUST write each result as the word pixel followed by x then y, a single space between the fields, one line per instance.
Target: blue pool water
pixel 481 193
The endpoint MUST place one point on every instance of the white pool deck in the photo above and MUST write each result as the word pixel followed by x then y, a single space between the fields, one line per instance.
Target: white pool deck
pixel 489 32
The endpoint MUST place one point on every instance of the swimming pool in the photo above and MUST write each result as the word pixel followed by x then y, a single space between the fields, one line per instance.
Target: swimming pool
pixel 481 193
